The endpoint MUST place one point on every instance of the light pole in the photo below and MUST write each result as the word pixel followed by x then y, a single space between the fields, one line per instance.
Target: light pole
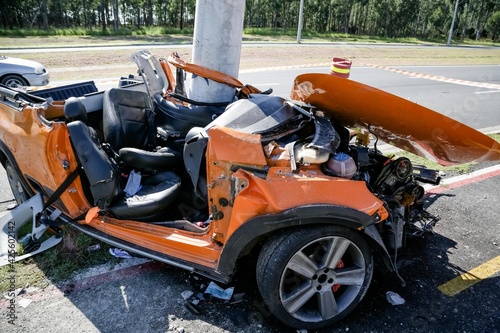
pixel 452 23
pixel 218 30
pixel 301 14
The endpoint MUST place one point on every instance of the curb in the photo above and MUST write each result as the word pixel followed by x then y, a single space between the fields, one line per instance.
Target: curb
pixel 459 181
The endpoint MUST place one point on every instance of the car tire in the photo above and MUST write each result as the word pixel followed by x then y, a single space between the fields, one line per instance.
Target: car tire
pixel 14 81
pixel 16 184
pixel 312 277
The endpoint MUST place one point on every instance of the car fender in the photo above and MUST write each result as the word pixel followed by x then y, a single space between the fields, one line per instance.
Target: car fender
pixel 243 240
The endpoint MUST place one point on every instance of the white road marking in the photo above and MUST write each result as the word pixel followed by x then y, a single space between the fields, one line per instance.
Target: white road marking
pixel 487 92
pixel 438 78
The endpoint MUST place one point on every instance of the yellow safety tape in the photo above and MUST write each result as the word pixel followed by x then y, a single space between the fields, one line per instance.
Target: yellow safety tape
pixel 340 70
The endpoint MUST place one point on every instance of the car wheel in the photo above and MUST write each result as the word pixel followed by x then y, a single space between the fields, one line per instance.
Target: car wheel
pixel 14 81
pixel 311 278
pixel 16 185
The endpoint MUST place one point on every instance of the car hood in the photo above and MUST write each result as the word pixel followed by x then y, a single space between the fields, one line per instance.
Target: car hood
pixel 20 65
pixel 395 120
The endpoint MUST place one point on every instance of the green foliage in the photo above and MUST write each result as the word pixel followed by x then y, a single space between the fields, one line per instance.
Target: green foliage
pixel 335 37
pixel 122 31
pixel 496 137
pixel 60 262
pixel 494 25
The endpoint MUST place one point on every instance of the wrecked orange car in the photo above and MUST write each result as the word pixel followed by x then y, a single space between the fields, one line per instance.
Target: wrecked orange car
pixel 202 185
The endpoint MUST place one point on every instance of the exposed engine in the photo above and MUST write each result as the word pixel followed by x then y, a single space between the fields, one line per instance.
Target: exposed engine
pixel 299 134
pixel 396 181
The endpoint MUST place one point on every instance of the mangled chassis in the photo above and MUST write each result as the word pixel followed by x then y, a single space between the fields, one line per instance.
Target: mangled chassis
pixel 253 156
pixel 199 247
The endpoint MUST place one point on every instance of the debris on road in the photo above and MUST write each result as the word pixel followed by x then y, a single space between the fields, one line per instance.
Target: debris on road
pixel 394 298
pixel 24 302
pixel 237 298
pixel 216 291
pixel 93 248
pixel 186 294
pixel 193 308
pixel 7 295
pixel 119 253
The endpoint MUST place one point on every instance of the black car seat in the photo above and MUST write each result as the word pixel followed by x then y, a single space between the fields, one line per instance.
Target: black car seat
pixel 178 119
pixel 152 201
pixel 129 129
pixel 74 109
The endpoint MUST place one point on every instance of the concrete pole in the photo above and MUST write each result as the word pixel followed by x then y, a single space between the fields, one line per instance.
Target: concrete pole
pixel 218 31
pixel 301 15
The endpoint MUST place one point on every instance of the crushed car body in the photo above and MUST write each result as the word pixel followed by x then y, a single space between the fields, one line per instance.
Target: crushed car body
pixel 201 185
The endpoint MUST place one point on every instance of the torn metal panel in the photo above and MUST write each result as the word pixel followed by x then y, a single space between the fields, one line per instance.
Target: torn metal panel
pixel 395 120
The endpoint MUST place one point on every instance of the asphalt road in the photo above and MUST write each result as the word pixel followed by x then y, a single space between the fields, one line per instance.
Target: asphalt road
pixel 147 298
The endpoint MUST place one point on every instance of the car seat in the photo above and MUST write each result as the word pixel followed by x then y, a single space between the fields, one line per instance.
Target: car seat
pixel 150 203
pixel 130 130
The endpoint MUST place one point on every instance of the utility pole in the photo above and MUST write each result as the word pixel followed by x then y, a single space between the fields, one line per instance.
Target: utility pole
pixel 218 32
pixel 301 15
pixel 452 23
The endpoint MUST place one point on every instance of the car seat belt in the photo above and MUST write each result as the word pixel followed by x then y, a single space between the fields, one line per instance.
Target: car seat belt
pixel 57 194
pixel 60 190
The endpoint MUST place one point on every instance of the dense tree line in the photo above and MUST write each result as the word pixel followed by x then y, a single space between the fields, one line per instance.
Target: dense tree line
pixel 390 18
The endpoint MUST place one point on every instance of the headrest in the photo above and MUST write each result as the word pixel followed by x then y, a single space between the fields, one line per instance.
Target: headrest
pixel 75 110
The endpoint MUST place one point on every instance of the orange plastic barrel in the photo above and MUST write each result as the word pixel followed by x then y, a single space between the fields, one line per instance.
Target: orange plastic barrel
pixel 341 67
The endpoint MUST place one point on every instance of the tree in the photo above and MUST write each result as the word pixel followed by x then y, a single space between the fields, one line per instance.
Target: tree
pixel 102 8
pixel 494 25
pixel 45 17
pixel 116 20
pixel 392 18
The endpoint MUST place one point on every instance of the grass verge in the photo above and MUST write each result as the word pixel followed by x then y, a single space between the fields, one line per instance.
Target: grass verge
pixel 249 34
pixel 97 31
pixel 57 264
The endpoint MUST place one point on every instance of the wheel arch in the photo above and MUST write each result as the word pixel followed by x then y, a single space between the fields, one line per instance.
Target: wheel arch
pixel 247 237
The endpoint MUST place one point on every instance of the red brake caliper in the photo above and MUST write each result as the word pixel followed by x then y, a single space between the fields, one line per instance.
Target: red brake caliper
pixel 336 287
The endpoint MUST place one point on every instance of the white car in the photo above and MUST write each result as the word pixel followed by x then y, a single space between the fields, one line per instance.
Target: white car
pixel 16 72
